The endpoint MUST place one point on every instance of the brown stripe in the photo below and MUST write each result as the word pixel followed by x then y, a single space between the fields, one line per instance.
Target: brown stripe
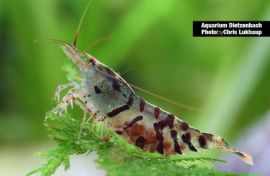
pixel 187 139
pixel 158 131
pixel 109 71
pixel 140 142
pixel 130 100
pixel 202 141
pixel 170 120
pixel 176 145
pixel 116 84
pixel 156 112
pixel 192 148
pixel 184 126
pixel 159 136
pixel 118 110
pixel 208 136
pixel 142 105
pixel 160 147
pixel 135 120
pixel 166 122
pixel 174 134
pixel 162 124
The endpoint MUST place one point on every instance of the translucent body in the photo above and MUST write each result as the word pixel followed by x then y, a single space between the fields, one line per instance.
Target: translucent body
pixel 108 98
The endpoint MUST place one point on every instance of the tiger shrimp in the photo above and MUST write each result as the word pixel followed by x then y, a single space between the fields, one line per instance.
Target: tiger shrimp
pixel 108 98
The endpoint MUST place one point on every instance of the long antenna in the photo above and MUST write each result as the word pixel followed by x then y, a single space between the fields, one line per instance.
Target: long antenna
pixel 131 85
pixel 80 24
pixel 52 41
pixel 105 38
pixel 165 99
pixel 155 95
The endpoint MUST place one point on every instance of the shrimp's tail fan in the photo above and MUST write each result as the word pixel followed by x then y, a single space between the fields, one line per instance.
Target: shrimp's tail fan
pixel 220 144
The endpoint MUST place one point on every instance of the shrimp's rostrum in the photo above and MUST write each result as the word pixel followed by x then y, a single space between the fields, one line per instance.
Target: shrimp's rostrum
pixel 107 97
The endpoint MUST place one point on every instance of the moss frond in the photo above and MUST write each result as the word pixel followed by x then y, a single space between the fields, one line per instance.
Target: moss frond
pixel 116 156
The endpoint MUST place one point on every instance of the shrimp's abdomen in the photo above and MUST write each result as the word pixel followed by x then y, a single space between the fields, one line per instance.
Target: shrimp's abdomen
pixel 147 126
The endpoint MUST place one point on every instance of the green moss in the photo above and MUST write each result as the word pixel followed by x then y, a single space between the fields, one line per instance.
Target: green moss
pixel 116 156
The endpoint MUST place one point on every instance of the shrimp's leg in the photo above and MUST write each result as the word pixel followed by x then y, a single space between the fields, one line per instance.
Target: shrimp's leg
pixel 73 95
pixel 61 87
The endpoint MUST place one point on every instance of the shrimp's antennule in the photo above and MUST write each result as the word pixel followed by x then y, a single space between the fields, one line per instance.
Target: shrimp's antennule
pixel 62 42
pixel 80 24
pixel 108 37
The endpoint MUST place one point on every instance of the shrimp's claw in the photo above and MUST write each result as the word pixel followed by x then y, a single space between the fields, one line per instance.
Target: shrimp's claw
pixel 245 157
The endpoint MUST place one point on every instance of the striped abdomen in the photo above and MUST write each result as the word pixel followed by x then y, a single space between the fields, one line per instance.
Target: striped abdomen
pixel 146 125
pixel 108 98
pixel 153 129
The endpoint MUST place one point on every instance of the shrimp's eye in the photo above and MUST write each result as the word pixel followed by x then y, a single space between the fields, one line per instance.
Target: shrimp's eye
pixel 92 60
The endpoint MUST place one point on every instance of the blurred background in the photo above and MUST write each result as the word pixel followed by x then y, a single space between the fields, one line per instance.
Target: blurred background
pixel 152 47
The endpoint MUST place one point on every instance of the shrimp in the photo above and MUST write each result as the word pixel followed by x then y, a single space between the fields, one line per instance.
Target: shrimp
pixel 108 98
